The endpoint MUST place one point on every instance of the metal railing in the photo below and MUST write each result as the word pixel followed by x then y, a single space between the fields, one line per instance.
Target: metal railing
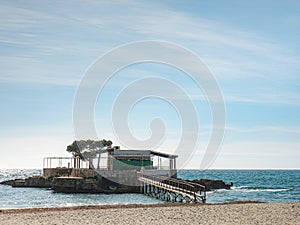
pixel 193 189
pixel 63 162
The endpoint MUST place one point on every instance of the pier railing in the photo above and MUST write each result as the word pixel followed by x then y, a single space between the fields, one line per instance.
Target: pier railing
pixel 64 162
pixel 171 189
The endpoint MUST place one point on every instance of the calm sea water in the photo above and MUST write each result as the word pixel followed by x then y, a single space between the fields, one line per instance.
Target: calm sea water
pixel 254 185
pixel 258 185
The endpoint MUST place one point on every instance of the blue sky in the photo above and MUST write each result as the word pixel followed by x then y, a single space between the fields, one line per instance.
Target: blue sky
pixel 252 48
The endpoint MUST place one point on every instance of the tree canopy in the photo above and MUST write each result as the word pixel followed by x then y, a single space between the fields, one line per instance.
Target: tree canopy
pixel 87 148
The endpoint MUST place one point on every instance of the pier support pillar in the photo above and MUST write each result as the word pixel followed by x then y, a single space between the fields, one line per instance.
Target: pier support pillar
pixel 180 198
pixel 187 199
pixel 172 197
pixel 168 196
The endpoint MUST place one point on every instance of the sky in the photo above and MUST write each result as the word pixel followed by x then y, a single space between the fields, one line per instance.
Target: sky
pixel 251 47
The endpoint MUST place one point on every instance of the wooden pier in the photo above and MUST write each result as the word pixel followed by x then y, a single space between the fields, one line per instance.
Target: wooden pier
pixel 171 189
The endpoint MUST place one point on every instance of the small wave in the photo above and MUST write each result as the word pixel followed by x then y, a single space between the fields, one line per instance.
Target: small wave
pixel 266 190
pixel 217 191
pixel 253 189
pixel 247 189
pixel 241 187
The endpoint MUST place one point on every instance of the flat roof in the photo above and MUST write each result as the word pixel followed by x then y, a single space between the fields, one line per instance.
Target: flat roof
pixel 131 152
pixel 162 154
pixel 143 152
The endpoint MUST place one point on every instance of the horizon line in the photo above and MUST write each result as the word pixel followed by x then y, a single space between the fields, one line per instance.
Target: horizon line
pixel 181 169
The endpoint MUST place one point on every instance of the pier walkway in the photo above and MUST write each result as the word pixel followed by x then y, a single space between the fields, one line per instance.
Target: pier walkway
pixel 171 189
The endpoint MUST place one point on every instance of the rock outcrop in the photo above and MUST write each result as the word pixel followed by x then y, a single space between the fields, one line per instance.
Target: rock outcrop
pixel 7 182
pixel 74 184
pixel 213 184
pixel 36 181
pixel 99 184
pixel 91 185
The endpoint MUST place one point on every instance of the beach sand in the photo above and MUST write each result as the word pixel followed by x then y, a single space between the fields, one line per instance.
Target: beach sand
pixel 242 213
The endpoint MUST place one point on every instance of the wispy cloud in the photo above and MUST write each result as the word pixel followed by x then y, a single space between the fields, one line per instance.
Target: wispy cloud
pixel 224 40
pixel 281 129
pixel 231 52
pixel 282 98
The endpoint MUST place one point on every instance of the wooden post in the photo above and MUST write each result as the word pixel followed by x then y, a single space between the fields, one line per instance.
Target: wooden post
pixel 69 171
pixel 172 197
pixel 187 199
pixel 163 195
pixel 195 198
pixel 98 165
pixel 141 187
pixel 180 198
pixel 158 193
pixel 168 196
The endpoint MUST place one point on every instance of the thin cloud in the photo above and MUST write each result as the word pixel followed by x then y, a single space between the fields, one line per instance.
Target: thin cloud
pixel 221 44
pixel 281 129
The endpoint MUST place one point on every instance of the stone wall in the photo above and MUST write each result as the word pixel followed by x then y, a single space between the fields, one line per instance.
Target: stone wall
pixel 83 172
pixel 55 172
pixel 37 181
pixel 126 177
pixel 89 185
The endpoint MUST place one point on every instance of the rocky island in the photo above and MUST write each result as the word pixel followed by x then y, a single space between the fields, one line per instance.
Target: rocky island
pixel 125 171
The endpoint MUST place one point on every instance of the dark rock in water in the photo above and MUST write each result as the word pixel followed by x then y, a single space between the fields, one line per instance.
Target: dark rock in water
pixel 7 182
pixel 90 185
pixel 74 184
pixel 213 184
pixel 37 181
pixel 100 184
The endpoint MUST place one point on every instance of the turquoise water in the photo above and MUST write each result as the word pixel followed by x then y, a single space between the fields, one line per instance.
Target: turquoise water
pixel 258 185
pixel 254 185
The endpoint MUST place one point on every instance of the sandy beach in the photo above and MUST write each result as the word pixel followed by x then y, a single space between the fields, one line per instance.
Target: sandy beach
pixel 245 213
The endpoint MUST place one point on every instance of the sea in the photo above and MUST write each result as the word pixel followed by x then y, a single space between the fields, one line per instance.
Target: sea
pixel 249 185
